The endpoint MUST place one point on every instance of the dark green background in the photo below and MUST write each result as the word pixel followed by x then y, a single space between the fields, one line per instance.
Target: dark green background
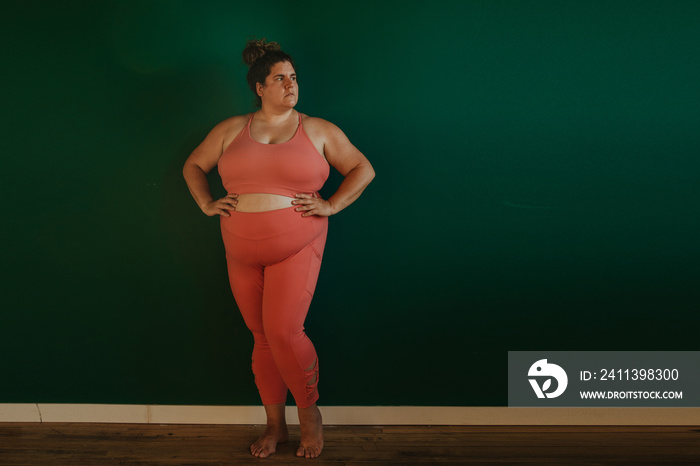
pixel 537 188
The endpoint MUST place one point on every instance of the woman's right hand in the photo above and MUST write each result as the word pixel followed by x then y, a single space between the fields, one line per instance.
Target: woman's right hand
pixel 221 206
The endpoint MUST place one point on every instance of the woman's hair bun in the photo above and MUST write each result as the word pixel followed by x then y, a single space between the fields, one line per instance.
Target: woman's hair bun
pixel 255 49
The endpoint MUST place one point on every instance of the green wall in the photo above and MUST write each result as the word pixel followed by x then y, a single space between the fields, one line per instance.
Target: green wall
pixel 537 189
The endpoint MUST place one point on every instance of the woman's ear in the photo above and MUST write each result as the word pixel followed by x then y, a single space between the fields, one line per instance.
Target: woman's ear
pixel 259 88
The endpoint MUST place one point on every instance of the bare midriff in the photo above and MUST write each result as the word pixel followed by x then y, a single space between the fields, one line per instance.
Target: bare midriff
pixel 262 202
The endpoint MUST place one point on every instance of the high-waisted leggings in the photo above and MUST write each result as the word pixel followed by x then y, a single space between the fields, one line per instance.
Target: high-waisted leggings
pixel 274 258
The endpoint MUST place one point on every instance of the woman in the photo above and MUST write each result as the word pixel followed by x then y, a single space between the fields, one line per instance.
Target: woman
pixel 273 222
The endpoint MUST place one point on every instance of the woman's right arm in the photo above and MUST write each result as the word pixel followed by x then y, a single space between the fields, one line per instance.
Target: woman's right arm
pixel 200 162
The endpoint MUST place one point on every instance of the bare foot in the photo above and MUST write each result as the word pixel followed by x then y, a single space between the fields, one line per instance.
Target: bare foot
pixel 311 425
pixel 267 443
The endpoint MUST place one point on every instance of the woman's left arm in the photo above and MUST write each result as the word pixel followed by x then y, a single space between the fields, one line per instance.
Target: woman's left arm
pixel 350 162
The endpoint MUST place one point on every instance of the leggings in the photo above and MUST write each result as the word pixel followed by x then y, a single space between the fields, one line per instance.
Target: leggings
pixel 274 258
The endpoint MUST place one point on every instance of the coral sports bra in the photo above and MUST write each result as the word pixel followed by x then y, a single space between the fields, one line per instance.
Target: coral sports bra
pixel 248 166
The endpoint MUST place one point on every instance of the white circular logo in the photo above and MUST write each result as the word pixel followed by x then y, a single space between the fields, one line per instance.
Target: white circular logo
pixel 545 371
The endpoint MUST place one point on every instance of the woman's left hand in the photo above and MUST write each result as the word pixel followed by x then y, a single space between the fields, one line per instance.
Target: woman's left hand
pixel 311 204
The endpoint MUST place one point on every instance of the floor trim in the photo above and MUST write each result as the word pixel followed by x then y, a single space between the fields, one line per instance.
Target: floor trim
pixel 349 415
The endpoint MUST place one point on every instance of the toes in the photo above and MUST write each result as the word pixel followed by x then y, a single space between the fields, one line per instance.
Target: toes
pixel 308 452
pixel 258 450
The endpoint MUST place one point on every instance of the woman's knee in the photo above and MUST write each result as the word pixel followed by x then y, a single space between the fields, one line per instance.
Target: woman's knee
pixel 279 336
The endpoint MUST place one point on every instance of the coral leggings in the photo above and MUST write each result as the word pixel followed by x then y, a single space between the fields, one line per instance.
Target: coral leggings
pixel 274 258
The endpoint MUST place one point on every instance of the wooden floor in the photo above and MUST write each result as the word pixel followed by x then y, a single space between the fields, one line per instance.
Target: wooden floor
pixel 133 444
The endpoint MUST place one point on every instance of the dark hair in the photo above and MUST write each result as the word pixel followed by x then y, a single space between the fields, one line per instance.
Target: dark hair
pixel 260 56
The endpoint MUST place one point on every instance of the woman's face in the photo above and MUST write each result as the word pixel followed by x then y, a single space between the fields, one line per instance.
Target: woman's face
pixel 280 87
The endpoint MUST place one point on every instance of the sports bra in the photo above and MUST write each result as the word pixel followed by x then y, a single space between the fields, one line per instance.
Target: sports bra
pixel 248 166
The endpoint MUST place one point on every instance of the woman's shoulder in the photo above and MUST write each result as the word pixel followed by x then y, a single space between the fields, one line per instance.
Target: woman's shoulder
pixel 229 128
pixel 318 126
pixel 231 123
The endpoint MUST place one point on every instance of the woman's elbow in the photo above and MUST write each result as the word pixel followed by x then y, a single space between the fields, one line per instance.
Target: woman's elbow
pixel 190 169
pixel 370 172
pixel 186 168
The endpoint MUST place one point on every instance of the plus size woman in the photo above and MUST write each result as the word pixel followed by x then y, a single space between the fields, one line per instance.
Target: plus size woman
pixel 274 224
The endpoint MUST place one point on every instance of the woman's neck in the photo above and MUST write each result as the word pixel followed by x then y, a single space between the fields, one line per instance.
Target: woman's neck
pixel 275 116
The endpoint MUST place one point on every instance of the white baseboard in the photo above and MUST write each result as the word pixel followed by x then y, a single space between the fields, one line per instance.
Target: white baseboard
pixel 350 415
